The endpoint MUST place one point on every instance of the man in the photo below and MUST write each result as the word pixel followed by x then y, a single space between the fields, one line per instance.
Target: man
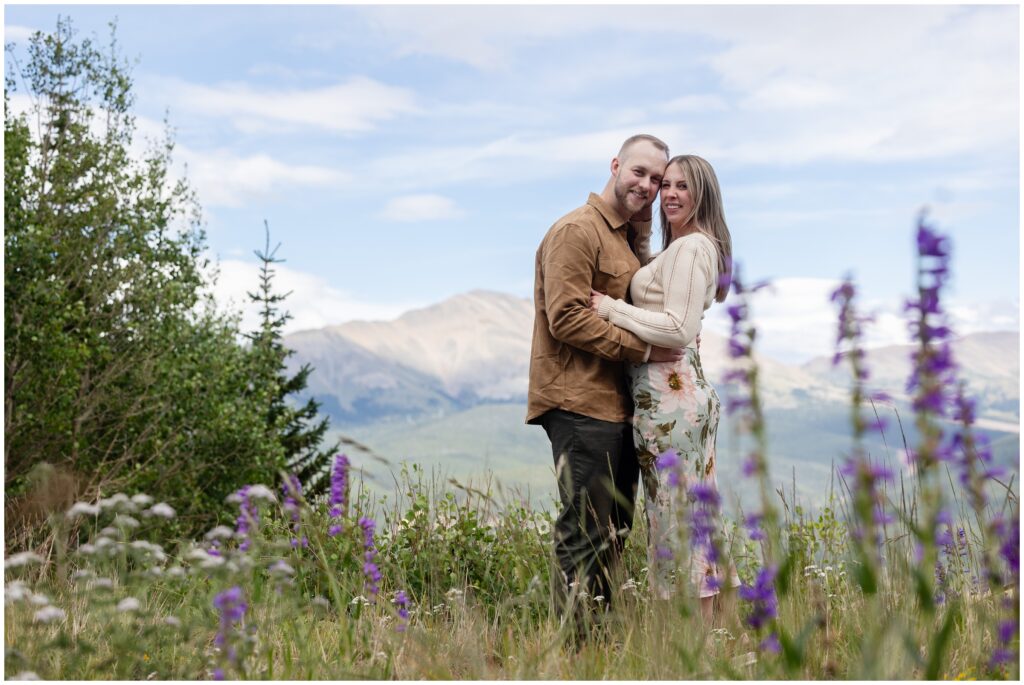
pixel 577 385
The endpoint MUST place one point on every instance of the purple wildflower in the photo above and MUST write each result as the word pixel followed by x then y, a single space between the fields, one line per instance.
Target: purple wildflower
pixel 753 525
pixel 669 461
pixel 933 367
pixel 292 489
pixel 248 517
pixel 370 569
pixel 401 602
pixel 231 606
pixel 1009 549
pixel 761 595
pixel 704 519
pixel 770 644
pixel 1005 633
pixel 339 485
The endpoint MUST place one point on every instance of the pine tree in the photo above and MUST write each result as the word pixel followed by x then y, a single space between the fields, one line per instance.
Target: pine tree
pixel 296 428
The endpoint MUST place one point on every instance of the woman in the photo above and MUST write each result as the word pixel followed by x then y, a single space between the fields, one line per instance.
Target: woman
pixel 676 410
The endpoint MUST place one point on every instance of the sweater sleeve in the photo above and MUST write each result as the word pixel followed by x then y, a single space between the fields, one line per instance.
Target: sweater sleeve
pixel 686 272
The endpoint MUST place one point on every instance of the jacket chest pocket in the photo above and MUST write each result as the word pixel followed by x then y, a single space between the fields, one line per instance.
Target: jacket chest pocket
pixel 612 276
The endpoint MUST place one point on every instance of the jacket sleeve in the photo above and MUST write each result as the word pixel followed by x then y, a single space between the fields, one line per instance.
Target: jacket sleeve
pixel 568 274
pixel 686 269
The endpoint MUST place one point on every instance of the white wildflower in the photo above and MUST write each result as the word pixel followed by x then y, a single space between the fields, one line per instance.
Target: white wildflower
pixel 103 543
pixel 111 532
pixel 87 549
pixel 39 600
pixel 454 593
pixel 82 509
pixel 151 548
pixel 128 604
pixel 156 571
pixel 125 521
pixel 118 501
pixel 48 614
pixel 261 492
pixel 630 584
pixel 102 583
pixel 199 554
pixel 15 591
pixel 281 568
pixel 22 559
pixel 82 574
pixel 321 602
pixel 26 675
pixel 173 621
pixel 176 572
pixel 142 500
pixel 359 599
pixel 220 533
pixel 161 509
pixel 211 562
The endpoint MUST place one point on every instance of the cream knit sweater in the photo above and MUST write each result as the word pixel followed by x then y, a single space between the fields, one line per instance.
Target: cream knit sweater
pixel 670 294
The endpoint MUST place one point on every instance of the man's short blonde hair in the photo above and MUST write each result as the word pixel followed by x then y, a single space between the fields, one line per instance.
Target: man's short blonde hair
pixel 633 140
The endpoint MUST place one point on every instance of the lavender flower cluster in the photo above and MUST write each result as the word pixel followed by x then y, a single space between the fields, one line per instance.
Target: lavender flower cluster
pixel 231 606
pixel 867 477
pixel 764 605
pixel 370 569
pixel 292 489
pixel 339 486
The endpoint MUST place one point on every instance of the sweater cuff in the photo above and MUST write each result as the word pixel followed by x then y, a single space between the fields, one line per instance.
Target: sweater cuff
pixel 605 308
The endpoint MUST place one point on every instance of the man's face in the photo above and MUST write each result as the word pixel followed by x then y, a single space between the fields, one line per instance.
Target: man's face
pixel 638 176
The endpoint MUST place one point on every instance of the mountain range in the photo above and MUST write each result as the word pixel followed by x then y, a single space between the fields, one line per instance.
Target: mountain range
pixel 447 385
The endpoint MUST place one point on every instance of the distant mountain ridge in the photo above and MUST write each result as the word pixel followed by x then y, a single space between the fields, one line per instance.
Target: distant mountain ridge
pixel 474 348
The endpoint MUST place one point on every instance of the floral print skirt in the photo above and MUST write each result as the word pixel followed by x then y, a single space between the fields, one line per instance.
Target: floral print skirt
pixel 676 414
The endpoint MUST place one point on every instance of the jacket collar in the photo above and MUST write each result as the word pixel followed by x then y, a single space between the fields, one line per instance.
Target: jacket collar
pixel 609 214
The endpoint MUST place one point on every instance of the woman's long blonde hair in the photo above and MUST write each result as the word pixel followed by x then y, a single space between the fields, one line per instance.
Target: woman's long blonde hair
pixel 708 215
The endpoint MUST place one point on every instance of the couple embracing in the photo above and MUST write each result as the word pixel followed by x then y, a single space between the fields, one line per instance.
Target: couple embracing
pixel 615 373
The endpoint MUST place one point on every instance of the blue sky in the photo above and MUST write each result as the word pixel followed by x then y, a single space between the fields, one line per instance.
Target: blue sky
pixel 403 154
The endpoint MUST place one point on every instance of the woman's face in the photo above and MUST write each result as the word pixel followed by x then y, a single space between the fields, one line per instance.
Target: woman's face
pixel 675 196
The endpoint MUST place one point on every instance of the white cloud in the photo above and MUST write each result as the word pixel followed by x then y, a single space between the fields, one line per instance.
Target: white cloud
pixel 355 106
pixel 224 179
pixel 516 157
pixel 796 84
pixel 17 34
pixel 695 103
pixel 312 302
pixel 426 207
pixel 795 94
pixel 221 178
pixel 796 320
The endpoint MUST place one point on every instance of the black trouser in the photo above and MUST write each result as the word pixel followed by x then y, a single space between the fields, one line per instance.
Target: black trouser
pixel 597 471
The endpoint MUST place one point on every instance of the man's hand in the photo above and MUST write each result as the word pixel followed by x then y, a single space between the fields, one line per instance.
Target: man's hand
pixel 663 354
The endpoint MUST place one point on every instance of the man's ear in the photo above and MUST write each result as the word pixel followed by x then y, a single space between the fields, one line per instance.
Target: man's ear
pixel 615 166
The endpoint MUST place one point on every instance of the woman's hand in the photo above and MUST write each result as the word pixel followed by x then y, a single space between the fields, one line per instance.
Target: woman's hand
pixel 595 299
